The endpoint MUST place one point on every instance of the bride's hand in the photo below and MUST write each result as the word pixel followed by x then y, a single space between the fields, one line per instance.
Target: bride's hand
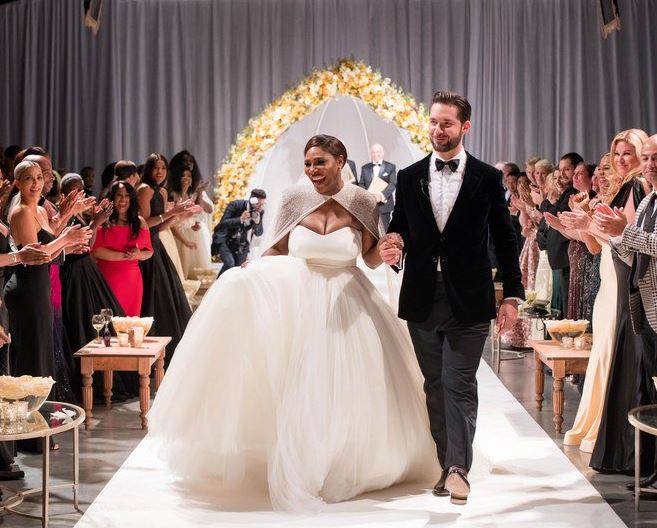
pixel 245 264
pixel 390 248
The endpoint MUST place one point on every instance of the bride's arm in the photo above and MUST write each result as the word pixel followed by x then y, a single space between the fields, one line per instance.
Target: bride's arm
pixel 370 250
pixel 280 248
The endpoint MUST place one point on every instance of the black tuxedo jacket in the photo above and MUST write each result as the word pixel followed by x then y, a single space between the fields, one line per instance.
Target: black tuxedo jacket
pixel 550 239
pixel 388 173
pixel 462 246
pixel 352 166
pixel 231 225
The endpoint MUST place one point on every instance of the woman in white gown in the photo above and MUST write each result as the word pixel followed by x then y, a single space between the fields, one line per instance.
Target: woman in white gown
pixel 294 371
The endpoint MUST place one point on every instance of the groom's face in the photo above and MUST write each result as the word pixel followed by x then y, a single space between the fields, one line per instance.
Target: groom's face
pixel 446 130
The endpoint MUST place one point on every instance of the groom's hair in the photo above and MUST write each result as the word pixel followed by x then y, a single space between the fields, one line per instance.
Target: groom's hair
pixel 454 99
pixel 330 144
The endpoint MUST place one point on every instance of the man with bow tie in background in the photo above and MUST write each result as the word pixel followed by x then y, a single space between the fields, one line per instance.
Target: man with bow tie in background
pixel 371 177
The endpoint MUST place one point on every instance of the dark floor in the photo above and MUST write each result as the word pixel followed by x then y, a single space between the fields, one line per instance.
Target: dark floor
pixel 117 432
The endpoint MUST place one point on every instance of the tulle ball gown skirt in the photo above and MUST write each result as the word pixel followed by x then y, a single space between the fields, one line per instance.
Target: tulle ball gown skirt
pixel 298 376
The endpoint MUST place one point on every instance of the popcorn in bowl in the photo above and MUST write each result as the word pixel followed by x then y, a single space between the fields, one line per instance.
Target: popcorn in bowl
pixel 33 390
pixel 124 324
pixel 566 328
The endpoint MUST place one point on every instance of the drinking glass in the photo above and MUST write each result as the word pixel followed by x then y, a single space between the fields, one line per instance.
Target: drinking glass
pixel 98 321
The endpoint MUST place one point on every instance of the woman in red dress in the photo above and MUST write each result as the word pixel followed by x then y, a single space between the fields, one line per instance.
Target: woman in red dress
pixel 120 245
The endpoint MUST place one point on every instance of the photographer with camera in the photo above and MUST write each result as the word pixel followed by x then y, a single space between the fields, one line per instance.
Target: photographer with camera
pixel 241 221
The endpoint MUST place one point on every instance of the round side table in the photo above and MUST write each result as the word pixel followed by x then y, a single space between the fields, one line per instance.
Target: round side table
pixel 51 419
pixel 644 419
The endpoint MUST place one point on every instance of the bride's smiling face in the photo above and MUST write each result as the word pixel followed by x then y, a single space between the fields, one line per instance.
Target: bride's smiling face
pixel 324 170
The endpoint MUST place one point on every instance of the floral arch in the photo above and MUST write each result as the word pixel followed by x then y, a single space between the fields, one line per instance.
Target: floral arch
pixel 345 78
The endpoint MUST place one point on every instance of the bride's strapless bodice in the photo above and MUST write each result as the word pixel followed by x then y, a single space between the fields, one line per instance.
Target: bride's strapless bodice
pixel 336 249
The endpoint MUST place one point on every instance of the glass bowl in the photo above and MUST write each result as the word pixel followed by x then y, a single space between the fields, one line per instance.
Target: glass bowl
pixel 566 328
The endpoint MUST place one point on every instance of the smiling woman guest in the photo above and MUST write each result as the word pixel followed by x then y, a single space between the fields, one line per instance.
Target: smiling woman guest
pixel 164 298
pixel 27 292
pixel 120 245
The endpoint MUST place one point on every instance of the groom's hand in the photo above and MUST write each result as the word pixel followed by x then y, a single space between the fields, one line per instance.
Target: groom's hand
pixel 390 248
pixel 506 315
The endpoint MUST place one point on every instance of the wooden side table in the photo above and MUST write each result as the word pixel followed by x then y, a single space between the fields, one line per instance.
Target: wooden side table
pixel 563 362
pixel 95 356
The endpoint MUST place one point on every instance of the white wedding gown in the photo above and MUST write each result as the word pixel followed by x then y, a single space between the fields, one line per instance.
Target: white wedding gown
pixel 295 375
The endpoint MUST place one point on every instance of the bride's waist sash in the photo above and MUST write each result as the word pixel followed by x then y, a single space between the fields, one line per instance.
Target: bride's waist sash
pixel 328 263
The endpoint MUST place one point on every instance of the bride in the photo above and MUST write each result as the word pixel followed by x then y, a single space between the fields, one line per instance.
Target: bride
pixel 294 372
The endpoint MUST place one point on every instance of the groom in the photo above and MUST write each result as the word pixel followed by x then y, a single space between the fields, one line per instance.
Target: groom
pixel 447 204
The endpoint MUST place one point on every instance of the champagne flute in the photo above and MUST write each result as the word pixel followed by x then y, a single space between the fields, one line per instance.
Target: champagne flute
pixel 98 322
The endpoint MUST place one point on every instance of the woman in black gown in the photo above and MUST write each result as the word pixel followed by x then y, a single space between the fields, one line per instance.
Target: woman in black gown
pixel 164 297
pixel 27 292
pixel 626 388
pixel 85 293
pixel 27 255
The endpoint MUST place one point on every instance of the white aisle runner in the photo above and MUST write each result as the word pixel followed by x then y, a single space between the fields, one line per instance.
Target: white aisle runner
pixel 520 478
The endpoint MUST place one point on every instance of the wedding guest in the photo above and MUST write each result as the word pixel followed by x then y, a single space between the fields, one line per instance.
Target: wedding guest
pixel 9 161
pixel 125 170
pixel 635 243
pixel 551 239
pixel 579 257
pixel 614 448
pixel 106 179
pixel 193 234
pixel 88 175
pixel 611 308
pixel 529 218
pixel 511 174
pixel 530 164
pixel 27 292
pixel 386 171
pixel 165 297
pixel 120 245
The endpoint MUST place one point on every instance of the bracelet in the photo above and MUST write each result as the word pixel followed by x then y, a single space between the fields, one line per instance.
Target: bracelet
pixel 14 257
pixel 161 219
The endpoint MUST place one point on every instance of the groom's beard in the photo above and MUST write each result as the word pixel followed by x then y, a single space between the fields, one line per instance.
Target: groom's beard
pixel 450 145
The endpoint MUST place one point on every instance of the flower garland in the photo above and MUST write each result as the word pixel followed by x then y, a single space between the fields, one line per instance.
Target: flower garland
pixel 345 78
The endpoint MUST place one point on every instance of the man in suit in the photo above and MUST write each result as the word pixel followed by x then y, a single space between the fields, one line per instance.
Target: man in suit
pixel 242 220
pixel 636 243
pixel 551 239
pixel 447 204
pixel 388 173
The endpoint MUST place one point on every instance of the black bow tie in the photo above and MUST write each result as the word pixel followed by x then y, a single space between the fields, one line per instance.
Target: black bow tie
pixel 377 164
pixel 453 164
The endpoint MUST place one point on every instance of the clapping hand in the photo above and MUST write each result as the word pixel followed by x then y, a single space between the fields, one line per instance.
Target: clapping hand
pixel 579 201
pixel 576 219
pixel 4 337
pixel 553 221
pixel 5 190
pixel 610 221
pixel 33 255
pixel 102 212
pixel 131 253
pixel 76 235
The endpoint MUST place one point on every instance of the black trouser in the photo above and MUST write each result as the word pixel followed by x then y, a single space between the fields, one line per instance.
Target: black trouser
pixel 231 258
pixel 649 364
pixel 449 353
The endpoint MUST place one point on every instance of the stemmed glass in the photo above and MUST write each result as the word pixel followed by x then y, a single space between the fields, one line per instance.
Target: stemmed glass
pixel 98 321
pixel 107 314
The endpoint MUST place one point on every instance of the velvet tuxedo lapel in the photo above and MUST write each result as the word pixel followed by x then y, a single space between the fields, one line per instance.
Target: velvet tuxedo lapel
pixel 471 181
pixel 421 184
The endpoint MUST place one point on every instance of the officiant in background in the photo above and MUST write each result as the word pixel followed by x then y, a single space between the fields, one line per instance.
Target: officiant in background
pixel 380 178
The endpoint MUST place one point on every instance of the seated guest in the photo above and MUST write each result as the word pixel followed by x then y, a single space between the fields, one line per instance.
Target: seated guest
pixel 120 245
pixel 27 292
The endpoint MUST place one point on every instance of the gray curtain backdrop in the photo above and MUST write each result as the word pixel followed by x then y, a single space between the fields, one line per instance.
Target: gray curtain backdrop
pixel 163 75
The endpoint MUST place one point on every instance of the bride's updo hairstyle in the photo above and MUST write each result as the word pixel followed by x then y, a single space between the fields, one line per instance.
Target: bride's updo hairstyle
pixel 330 144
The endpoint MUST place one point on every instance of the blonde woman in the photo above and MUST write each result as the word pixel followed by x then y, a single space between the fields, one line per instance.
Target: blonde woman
pixel 611 310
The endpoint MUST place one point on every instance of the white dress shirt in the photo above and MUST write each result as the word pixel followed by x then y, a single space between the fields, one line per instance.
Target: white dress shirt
pixel 444 187
pixel 376 169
